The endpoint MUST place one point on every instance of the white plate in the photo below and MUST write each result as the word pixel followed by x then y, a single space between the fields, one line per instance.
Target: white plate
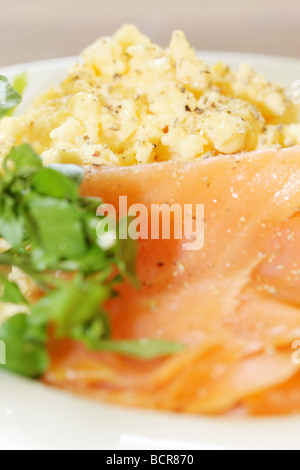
pixel 35 417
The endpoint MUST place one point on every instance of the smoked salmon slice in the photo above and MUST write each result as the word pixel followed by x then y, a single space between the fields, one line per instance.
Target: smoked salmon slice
pixel 235 304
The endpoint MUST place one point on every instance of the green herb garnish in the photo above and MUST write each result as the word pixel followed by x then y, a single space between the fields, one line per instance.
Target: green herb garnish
pixel 9 97
pixel 52 229
pixel 20 83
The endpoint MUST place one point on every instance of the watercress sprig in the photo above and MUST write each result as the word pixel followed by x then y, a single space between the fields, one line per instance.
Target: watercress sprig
pixel 51 231
pixel 9 96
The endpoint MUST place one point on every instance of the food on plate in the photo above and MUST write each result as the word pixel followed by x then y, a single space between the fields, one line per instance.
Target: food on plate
pixel 234 304
pixel 131 101
pixel 62 272
pixel 150 323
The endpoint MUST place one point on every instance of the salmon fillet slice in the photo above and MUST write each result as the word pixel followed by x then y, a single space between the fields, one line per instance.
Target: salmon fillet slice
pixel 235 304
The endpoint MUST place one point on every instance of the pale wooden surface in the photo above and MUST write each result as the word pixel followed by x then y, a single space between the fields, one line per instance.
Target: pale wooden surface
pixel 41 29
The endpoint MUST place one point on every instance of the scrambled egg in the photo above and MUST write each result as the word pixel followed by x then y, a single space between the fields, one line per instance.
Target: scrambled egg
pixel 133 102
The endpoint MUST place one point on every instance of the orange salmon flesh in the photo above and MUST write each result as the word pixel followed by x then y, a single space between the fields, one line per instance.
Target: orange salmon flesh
pixel 235 304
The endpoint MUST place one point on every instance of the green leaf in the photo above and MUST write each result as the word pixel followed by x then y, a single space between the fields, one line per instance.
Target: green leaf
pixel 48 182
pixel 127 257
pixel 25 159
pixel 20 83
pixel 57 228
pixel 73 172
pixel 75 303
pixel 140 349
pixel 11 292
pixel 9 98
pixel 12 222
pixel 25 347
pixel 92 332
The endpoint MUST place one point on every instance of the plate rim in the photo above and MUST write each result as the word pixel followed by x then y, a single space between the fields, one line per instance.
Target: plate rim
pixel 48 64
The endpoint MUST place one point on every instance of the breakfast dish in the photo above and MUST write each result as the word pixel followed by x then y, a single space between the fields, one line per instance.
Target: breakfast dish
pixel 208 331
pixel 132 101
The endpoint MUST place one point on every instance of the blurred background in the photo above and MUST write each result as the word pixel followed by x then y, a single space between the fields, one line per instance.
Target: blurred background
pixel 41 29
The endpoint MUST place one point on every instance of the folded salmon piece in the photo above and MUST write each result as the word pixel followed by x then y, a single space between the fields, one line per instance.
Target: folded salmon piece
pixel 235 304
